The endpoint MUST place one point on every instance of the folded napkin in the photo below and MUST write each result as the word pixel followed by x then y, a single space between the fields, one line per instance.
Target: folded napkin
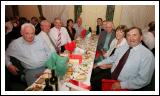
pixel 83 33
pixel 57 63
pixel 70 46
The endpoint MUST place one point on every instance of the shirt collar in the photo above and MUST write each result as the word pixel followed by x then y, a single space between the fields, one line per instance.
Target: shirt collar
pixel 136 47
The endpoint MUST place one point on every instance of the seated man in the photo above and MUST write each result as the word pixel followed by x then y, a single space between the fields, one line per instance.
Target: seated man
pixel 59 35
pixel 44 34
pixel 31 51
pixel 133 71
pixel 78 27
pixel 105 39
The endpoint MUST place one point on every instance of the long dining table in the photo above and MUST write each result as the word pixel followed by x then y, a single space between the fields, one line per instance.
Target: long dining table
pixel 79 72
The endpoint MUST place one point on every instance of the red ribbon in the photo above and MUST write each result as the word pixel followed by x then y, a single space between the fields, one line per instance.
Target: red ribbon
pixel 80 84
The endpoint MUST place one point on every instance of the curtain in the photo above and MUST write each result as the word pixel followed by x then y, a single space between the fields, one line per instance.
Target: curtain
pixel 137 15
pixel 15 10
pixel 110 12
pixel 40 10
pixel 52 11
pixel 77 11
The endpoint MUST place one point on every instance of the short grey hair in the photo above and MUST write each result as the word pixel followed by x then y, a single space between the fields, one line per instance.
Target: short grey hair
pixel 27 25
pixel 45 21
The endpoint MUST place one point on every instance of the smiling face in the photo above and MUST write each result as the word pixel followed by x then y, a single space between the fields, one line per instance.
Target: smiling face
pixel 58 23
pixel 79 21
pixel 108 26
pixel 99 22
pixel 133 37
pixel 119 34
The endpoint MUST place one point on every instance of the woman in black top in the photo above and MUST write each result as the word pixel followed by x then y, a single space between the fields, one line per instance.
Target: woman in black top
pixel 70 29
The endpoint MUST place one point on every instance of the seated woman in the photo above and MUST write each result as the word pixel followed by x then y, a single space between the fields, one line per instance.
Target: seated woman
pixel 118 41
pixel 99 26
pixel 70 29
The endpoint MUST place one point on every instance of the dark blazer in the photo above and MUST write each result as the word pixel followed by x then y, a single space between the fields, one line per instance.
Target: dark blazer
pixel 97 30
pixel 102 38
pixel 14 34
pixel 71 34
pixel 37 28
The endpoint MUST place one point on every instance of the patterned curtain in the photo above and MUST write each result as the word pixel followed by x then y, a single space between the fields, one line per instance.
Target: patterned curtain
pixel 77 11
pixel 40 10
pixel 15 10
pixel 110 12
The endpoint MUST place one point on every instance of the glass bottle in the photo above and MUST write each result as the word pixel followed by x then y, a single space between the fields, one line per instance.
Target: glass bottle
pixel 54 80
pixel 48 87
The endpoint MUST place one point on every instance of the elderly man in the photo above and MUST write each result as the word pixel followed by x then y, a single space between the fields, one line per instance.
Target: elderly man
pixel 31 51
pixel 105 39
pixel 106 36
pixel 132 64
pixel 59 35
pixel 78 27
pixel 44 34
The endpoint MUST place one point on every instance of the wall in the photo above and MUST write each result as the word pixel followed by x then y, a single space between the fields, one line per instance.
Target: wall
pixel 28 11
pixel 8 11
pixel 117 15
pixel 90 13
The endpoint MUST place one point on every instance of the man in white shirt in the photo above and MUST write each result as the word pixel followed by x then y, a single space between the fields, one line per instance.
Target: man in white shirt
pixel 31 51
pixel 59 35
pixel 78 27
pixel 139 66
pixel 45 29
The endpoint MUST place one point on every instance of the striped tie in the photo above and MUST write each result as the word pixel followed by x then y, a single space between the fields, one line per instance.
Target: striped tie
pixel 59 40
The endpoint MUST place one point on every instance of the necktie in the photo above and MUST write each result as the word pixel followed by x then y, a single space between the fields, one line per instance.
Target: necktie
pixel 120 65
pixel 59 41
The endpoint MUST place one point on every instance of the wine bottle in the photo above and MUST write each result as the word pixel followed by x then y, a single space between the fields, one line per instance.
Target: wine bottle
pixel 48 87
pixel 90 29
pixel 54 80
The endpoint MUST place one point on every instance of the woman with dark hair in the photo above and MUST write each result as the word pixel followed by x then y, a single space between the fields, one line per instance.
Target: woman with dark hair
pixel 70 29
pixel 99 26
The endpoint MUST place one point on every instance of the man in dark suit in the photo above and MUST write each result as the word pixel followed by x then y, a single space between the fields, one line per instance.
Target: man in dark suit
pixel 34 21
pixel 106 36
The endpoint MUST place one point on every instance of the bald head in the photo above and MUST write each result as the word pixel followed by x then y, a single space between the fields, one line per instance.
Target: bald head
pixel 79 21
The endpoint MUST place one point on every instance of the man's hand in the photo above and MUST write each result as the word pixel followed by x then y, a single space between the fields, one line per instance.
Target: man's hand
pixel 103 52
pixel 13 69
pixel 94 66
pixel 105 66
pixel 116 85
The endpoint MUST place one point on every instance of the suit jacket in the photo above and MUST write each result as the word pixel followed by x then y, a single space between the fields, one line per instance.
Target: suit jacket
pixel 102 39
pixel 72 35
pixel 37 28
pixel 97 30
